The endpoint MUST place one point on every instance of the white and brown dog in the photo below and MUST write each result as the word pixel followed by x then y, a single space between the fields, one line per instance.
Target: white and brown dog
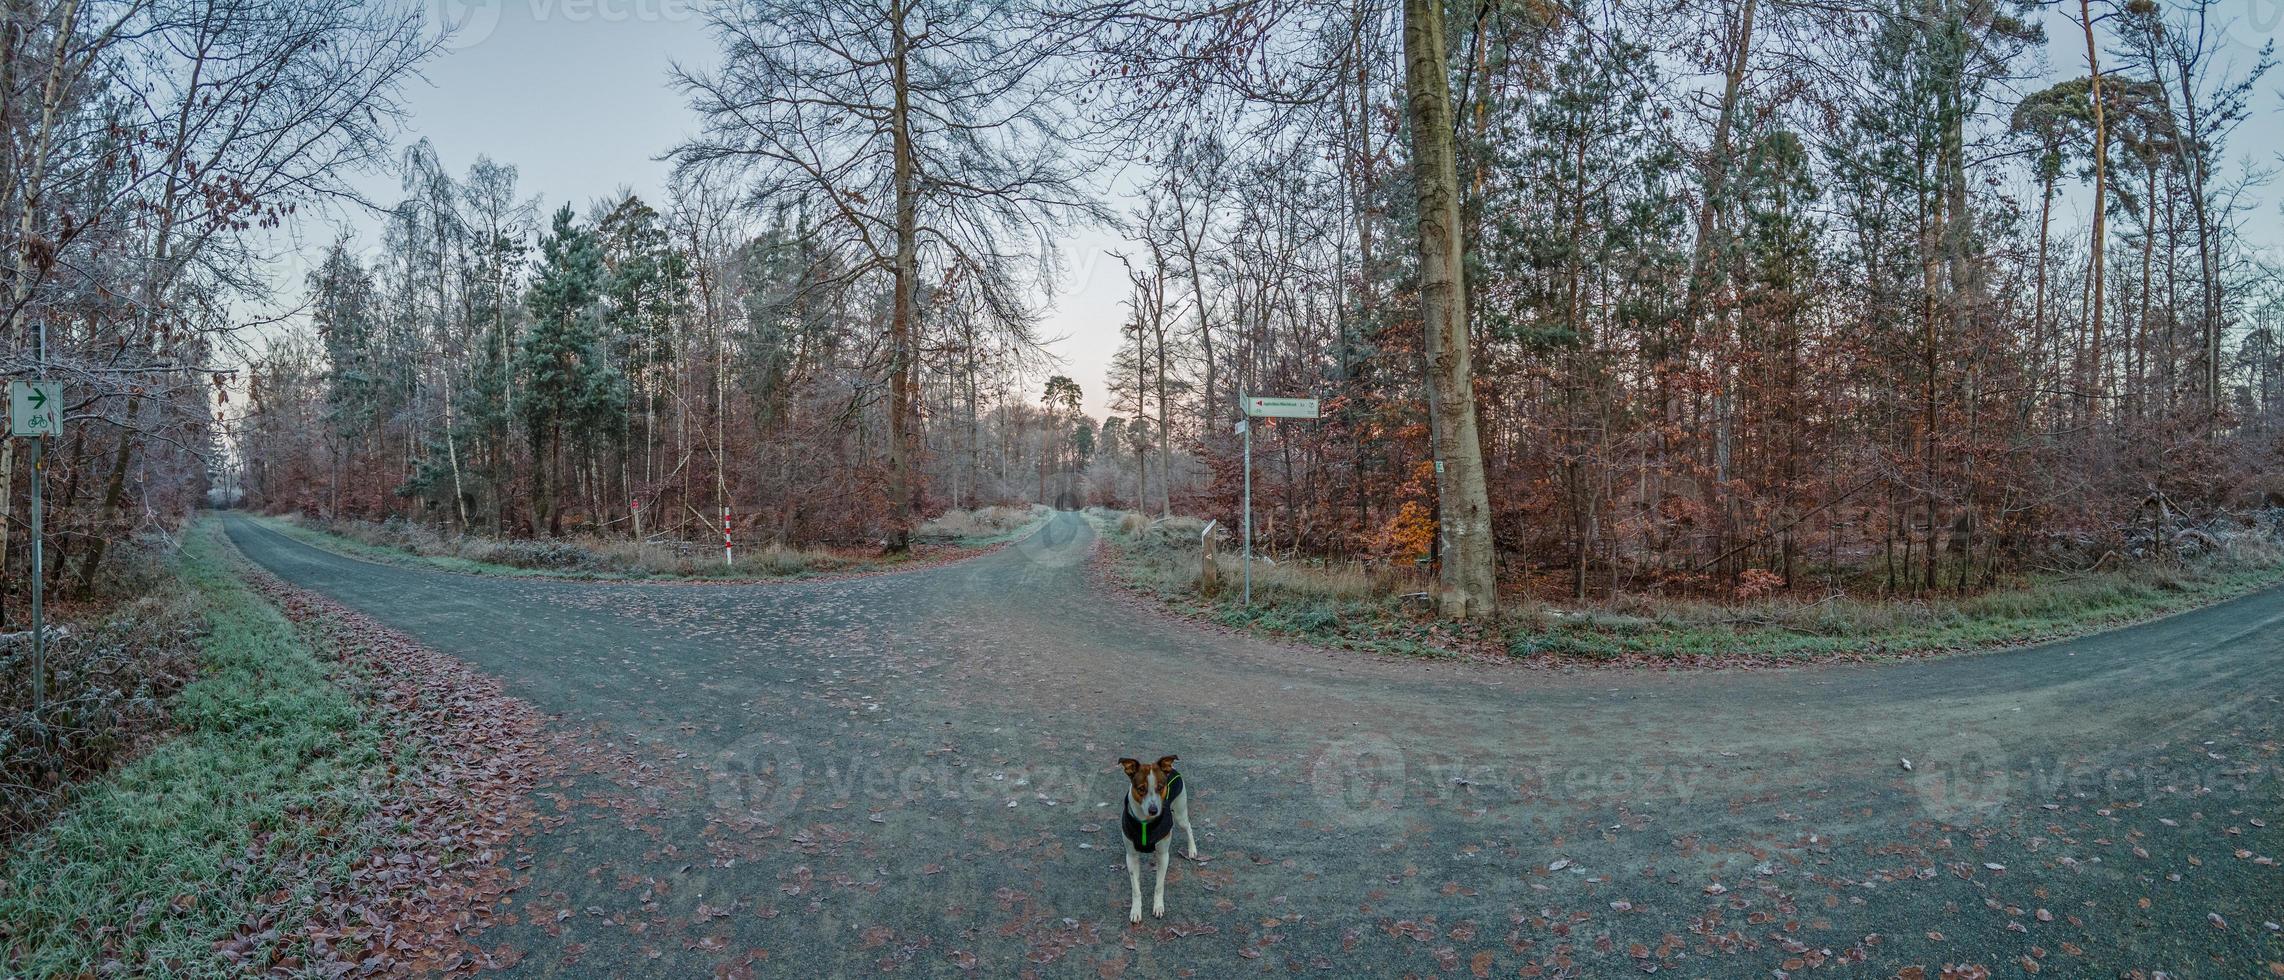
pixel 1156 803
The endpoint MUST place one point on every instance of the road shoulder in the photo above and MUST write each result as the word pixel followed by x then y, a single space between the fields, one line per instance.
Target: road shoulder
pixel 1691 635
pixel 333 798
pixel 925 556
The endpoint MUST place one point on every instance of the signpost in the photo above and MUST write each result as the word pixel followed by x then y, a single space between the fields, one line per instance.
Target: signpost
pixel 35 412
pixel 1275 408
pixel 35 408
pixel 1281 408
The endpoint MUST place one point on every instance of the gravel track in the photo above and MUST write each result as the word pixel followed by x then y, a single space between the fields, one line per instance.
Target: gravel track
pixel 914 773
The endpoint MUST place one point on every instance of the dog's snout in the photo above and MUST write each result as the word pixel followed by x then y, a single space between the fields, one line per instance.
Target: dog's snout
pixel 1151 808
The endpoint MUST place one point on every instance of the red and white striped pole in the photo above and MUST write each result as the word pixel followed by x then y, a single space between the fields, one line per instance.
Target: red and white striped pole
pixel 729 556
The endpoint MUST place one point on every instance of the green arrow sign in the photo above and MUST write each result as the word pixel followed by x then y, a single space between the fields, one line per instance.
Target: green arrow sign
pixel 35 408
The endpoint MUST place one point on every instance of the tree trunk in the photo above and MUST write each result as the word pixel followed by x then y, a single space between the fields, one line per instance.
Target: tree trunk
pixel 543 488
pixel 2208 264
pixel 2045 224
pixel 1165 406
pixel 114 497
pixel 903 488
pixel 2093 380
pixel 7 517
pixel 1469 571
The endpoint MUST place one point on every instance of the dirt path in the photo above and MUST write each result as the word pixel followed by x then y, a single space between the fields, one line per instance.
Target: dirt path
pixel 914 772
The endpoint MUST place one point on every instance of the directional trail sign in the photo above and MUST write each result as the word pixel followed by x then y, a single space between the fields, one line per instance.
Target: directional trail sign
pixel 35 408
pixel 35 411
pixel 1281 408
pixel 1258 407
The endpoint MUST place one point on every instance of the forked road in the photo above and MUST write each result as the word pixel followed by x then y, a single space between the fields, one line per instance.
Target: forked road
pixel 914 772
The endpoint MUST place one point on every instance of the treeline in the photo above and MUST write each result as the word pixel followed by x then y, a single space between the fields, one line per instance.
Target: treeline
pixel 1759 295
pixel 1766 295
pixel 148 149
pixel 1731 296
pixel 625 371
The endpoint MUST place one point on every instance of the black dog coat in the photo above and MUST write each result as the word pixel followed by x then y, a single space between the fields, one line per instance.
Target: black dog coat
pixel 1145 837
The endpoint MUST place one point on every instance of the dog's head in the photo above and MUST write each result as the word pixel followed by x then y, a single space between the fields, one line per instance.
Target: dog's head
pixel 1148 791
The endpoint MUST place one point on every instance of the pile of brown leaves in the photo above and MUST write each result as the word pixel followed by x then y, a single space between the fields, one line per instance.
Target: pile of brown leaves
pixel 455 830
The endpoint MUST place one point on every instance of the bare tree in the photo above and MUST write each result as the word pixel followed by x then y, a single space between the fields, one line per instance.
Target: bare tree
pixel 163 133
pixel 927 138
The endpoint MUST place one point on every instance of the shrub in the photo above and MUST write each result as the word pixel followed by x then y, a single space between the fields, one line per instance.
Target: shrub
pixel 109 675
pixel 1178 532
pixel 548 555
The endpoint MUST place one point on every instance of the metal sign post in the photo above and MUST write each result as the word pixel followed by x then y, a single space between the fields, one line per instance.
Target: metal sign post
pixel 39 585
pixel 1277 408
pixel 35 412
pixel 1245 428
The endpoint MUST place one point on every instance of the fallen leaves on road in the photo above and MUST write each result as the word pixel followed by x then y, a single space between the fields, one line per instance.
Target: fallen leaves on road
pixel 453 825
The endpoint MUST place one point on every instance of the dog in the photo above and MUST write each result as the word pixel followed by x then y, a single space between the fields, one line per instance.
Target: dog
pixel 1157 801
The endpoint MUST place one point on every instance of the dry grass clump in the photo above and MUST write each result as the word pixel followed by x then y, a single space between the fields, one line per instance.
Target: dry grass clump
pixel 1371 604
pixel 1340 581
pixel 1165 551
pixel 980 522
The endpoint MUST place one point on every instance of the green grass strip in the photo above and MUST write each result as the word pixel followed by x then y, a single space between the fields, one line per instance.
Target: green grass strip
pixel 260 792
pixel 2049 607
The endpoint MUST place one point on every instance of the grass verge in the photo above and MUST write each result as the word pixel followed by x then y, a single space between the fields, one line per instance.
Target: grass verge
pixel 113 663
pixel 1378 609
pixel 248 811
pixel 1343 606
pixel 953 535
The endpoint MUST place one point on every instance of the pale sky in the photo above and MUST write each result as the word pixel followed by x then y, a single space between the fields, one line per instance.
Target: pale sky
pixel 574 94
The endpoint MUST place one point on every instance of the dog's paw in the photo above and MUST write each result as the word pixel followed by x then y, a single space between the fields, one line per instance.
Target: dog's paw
pixel 1193 855
pixel 1157 910
pixel 1134 915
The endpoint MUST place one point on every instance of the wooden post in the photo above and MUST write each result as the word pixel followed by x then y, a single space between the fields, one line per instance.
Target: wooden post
pixel 1209 564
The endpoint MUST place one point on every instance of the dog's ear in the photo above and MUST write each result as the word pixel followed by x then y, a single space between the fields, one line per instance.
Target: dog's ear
pixel 1167 761
pixel 1129 765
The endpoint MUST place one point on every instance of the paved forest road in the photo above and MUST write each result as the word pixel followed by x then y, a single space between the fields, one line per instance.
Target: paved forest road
pixel 914 773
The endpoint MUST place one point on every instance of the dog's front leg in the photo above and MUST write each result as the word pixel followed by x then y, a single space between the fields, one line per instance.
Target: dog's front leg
pixel 1134 875
pixel 1158 899
pixel 1182 817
